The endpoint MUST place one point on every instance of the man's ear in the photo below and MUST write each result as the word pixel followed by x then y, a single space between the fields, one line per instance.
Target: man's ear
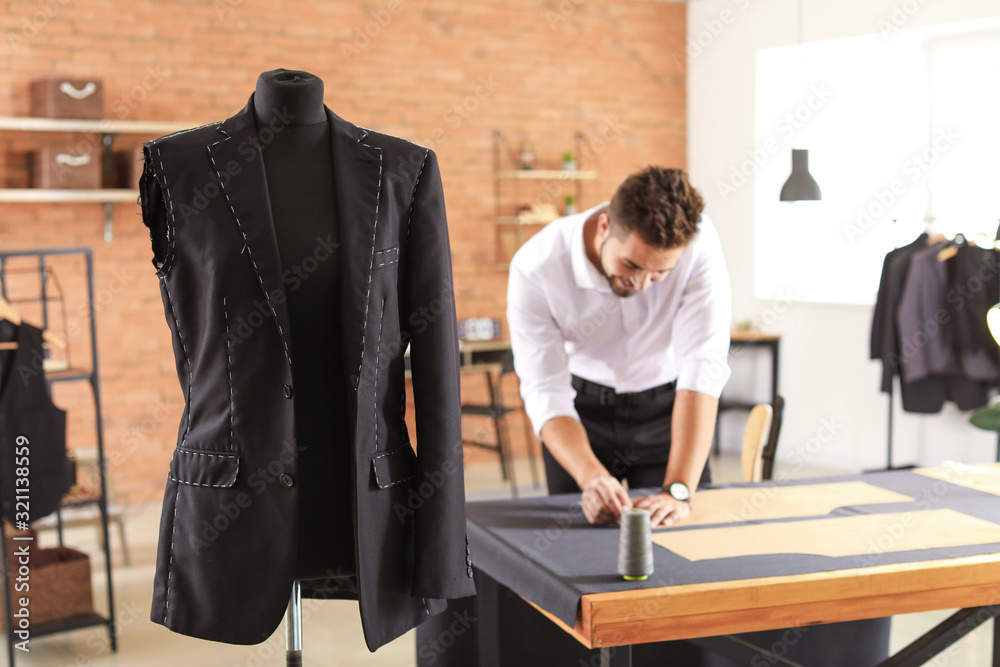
pixel 603 227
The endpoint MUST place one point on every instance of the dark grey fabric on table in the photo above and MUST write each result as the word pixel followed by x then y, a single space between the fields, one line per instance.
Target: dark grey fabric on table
pixel 544 550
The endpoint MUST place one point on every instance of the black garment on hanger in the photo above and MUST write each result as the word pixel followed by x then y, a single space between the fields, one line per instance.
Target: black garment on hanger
pixel 935 364
pixel 32 430
pixel 976 286
pixel 885 336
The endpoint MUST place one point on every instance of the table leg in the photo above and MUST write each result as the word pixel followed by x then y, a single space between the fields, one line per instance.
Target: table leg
pixel 942 636
pixel 741 651
pixel 488 595
pixel 616 656
pixel 996 641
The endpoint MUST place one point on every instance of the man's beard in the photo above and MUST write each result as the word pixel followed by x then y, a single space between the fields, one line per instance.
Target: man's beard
pixel 621 290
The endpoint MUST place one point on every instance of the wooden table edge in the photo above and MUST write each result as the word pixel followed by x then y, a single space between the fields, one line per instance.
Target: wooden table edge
pixel 710 609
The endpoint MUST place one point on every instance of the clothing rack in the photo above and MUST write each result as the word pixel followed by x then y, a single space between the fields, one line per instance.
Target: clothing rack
pixel 101 500
pixel 929 229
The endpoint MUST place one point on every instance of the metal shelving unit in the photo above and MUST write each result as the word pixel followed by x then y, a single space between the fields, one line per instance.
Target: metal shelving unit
pixel 101 499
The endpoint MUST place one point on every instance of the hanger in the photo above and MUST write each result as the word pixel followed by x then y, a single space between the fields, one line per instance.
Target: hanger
pixel 952 249
pixel 8 313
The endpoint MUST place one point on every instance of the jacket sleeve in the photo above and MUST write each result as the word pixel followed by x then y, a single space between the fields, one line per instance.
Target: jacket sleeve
pixel 441 566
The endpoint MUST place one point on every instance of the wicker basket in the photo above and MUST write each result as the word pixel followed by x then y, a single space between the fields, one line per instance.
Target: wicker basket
pixel 59 584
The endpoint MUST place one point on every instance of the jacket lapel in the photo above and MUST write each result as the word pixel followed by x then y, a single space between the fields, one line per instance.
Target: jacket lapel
pixel 357 174
pixel 245 190
pixel 357 188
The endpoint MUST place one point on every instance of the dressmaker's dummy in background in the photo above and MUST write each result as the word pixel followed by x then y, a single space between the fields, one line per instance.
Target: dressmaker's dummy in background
pixel 298 163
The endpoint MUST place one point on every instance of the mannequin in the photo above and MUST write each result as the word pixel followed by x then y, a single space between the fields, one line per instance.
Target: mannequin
pixel 298 163
pixel 293 269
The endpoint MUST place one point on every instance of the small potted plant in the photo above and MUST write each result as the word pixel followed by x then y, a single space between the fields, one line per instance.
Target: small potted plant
pixel 569 162
pixel 570 208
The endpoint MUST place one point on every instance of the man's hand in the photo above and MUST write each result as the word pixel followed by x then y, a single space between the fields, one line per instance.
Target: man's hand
pixel 604 499
pixel 663 508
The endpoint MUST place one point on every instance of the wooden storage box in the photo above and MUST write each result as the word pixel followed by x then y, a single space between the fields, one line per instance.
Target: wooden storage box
pixel 129 168
pixel 53 168
pixel 59 580
pixel 67 98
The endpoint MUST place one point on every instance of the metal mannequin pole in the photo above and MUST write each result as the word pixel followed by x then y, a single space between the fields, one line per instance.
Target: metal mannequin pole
pixel 293 627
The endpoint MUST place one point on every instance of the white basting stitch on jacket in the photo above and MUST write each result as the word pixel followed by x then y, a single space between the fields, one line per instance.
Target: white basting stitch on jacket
pixel 378 348
pixel 170 564
pixel 246 246
pixel 229 364
pixel 368 293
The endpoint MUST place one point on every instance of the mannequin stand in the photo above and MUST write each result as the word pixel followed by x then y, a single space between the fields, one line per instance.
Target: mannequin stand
pixel 293 627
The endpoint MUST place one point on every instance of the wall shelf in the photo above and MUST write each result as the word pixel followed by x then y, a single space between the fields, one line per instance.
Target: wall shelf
pixel 527 188
pixel 108 129
pixel 549 174
pixel 100 126
pixel 44 195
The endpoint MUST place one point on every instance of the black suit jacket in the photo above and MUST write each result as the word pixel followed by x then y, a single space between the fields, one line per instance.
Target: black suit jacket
pixel 228 530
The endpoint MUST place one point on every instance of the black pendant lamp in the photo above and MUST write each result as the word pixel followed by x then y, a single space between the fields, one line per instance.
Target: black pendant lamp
pixel 800 186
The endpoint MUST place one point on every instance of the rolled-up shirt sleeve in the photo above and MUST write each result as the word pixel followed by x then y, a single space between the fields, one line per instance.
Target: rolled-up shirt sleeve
pixel 540 359
pixel 703 322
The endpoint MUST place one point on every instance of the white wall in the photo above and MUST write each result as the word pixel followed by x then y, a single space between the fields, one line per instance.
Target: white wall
pixel 826 376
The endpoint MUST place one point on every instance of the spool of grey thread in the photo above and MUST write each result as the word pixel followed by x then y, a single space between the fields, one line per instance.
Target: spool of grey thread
pixel 635 546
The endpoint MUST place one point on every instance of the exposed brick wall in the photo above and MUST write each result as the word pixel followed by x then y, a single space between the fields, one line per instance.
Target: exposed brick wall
pixel 444 74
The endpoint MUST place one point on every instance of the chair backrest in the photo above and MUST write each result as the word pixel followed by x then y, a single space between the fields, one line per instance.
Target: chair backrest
pixel 767 466
pixel 755 437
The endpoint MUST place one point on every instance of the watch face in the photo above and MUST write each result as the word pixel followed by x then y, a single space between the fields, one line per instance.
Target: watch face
pixel 680 491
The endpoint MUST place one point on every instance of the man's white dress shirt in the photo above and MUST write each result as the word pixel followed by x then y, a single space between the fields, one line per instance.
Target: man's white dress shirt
pixel 564 319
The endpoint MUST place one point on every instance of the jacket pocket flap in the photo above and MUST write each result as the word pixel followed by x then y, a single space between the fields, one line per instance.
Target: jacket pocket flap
pixel 394 466
pixel 385 257
pixel 213 469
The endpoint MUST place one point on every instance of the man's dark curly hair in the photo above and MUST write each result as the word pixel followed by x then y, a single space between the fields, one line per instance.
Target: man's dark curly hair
pixel 659 205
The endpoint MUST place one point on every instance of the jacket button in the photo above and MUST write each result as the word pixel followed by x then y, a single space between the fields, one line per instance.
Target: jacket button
pixel 288 390
pixel 286 479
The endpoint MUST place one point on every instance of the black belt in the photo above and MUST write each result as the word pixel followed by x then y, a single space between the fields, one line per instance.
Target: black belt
pixel 609 396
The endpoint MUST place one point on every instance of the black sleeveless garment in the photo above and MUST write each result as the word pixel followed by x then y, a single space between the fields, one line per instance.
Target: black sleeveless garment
pixel 32 431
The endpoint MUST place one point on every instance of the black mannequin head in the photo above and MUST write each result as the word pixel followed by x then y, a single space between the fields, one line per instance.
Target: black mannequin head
pixel 297 94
